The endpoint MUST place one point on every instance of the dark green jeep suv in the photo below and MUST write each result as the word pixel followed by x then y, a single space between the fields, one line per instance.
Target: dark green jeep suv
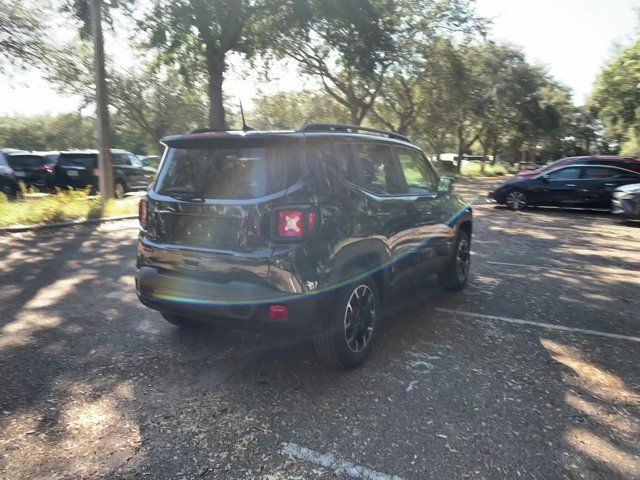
pixel 311 231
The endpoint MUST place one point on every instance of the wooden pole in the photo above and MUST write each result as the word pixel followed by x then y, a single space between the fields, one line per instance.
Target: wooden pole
pixel 102 103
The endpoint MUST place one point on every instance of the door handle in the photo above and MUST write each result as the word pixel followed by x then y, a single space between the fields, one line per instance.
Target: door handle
pixel 609 184
pixel 570 185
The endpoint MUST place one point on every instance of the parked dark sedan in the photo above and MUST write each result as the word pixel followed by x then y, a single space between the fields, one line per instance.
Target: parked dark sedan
pixel 626 202
pixel 582 186
pixel 630 163
pixel 33 169
pixel 79 169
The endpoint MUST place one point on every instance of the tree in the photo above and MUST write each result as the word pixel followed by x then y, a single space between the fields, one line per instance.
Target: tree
pixel 198 36
pixel 22 33
pixel 291 110
pixel 616 99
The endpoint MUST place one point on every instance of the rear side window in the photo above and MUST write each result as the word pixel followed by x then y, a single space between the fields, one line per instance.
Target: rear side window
pixel 26 161
pixel 566 174
pixel 595 172
pixel 230 173
pixel 79 160
pixel 378 172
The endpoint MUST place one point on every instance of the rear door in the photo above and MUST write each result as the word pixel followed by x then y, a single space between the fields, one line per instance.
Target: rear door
pixel 28 168
pixel 601 181
pixel 77 170
pixel 386 212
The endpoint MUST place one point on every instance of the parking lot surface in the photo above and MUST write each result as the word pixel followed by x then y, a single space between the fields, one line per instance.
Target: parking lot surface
pixel 532 372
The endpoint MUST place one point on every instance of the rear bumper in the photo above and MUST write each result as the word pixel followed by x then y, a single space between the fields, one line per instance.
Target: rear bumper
pixel 238 303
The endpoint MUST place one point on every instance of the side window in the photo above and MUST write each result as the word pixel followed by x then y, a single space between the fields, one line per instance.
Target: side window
pixel 598 172
pixel 377 169
pixel 570 173
pixel 118 159
pixel 417 172
pixel 134 160
pixel 320 160
pixel 345 161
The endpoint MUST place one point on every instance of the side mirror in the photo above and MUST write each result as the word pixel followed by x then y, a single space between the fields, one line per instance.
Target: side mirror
pixel 446 184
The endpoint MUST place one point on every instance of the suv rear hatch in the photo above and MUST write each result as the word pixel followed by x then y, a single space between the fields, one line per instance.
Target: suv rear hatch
pixel 77 168
pixel 28 167
pixel 210 211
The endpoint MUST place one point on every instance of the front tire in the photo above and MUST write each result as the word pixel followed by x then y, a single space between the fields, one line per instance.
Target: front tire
pixel 456 276
pixel 119 189
pixel 516 200
pixel 346 339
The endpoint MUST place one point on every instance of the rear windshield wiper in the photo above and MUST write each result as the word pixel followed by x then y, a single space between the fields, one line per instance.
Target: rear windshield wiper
pixel 187 193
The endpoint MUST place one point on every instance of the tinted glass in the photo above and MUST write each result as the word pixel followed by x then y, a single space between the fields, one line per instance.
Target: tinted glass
pixel 26 161
pixel 565 174
pixel 593 172
pixel 120 159
pixel 377 168
pixel 135 160
pixel 230 173
pixel 78 160
pixel 418 174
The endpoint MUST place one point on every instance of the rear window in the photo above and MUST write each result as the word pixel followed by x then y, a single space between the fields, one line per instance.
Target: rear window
pixel 79 160
pixel 26 161
pixel 230 173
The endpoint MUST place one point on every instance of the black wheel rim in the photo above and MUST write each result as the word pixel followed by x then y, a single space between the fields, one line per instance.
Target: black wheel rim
pixel 463 259
pixel 516 200
pixel 359 318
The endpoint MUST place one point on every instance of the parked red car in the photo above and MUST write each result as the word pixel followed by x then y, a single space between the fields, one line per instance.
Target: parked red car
pixel 630 163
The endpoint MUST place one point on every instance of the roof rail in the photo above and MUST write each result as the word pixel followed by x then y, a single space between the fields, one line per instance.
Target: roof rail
pixel 204 130
pixel 338 127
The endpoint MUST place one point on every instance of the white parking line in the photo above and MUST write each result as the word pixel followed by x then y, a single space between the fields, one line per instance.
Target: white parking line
pixel 618 271
pixel 552 326
pixel 341 467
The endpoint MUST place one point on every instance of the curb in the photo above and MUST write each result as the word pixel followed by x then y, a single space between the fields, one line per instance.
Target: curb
pixel 43 226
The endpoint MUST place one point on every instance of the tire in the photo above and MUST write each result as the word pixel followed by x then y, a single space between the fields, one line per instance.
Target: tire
pixel 119 189
pixel 345 340
pixel 455 277
pixel 182 322
pixel 9 190
pixel 516 200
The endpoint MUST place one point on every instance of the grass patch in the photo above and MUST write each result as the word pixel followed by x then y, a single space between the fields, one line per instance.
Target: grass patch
pixel 474 169
pixel 61 207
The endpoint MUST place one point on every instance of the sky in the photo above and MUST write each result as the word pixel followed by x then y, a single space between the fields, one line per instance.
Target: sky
pixel 573 38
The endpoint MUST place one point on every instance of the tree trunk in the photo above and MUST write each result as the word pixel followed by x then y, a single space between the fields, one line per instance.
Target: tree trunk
pixel 105 177
pixel 215 67
pixel 460 148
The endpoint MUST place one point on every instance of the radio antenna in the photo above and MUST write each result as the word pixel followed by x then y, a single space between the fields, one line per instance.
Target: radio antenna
pixel 245 127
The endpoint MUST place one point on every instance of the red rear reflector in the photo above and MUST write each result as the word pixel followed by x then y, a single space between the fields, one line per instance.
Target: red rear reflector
pixel 278 312
pixel 290 223
pixel 312 220
pixel 142 212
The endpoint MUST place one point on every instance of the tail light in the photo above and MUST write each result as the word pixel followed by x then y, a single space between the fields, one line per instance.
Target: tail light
pixel 293 223
pixel 142 212
pixel 45 169
pixel 96 172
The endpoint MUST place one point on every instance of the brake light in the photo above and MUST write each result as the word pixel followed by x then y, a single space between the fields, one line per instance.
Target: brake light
pixel 96 172
pixel 45 169
pixel 142 212
pixel 294 223
pixel 290 223
pixel 278 312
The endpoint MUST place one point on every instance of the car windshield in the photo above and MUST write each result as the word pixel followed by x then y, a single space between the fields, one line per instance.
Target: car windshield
pixel 229 173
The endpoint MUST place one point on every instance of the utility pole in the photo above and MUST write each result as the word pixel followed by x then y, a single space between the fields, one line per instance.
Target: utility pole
pixel 102 102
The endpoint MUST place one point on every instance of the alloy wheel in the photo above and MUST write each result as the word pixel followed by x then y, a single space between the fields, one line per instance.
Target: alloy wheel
pixel 463 259
pixel 516 200
pixel 359 318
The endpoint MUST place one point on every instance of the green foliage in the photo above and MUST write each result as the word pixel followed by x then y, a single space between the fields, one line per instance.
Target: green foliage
pixel 65 205
pixel 616 99
pixel 48 132
pixel 291 110
pixel 22 33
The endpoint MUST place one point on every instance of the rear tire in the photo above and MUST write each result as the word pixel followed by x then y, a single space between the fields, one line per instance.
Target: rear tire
pixel 456 275
pixel 119 189
pixel 345 340
pixel 182 322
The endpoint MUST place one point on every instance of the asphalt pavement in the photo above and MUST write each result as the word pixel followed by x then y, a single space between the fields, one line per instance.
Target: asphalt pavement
pixel 531 372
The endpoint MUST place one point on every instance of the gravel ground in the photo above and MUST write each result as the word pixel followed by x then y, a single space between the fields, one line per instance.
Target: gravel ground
pixel 94 385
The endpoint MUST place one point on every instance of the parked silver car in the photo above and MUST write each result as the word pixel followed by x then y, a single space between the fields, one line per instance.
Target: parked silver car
pixel 626 201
